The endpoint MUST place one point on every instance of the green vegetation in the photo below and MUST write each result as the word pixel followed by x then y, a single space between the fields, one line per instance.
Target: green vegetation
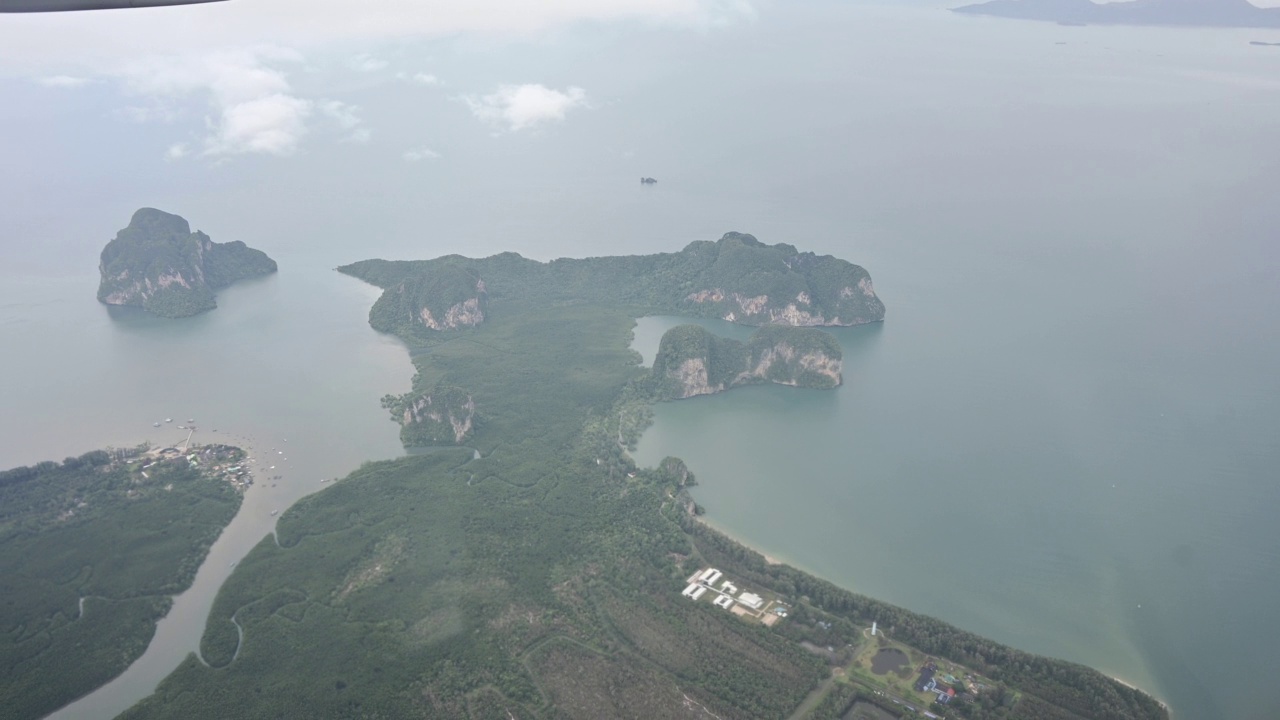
pixel 736 277
pixel 160 265
pixel 539 580
pixel 537 572
pixel 691 360
pixel 91 550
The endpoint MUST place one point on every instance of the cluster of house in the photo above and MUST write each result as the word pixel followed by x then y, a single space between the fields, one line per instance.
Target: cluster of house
pixel 727 594
pixel 238 475
pixel 945 693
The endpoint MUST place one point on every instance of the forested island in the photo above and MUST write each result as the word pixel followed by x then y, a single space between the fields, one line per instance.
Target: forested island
pixel 158 264
pixel 92 550
pixel 1198 13
pixel 537 572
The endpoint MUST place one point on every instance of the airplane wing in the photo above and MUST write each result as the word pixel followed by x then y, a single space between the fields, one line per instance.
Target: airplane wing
pixel 25 6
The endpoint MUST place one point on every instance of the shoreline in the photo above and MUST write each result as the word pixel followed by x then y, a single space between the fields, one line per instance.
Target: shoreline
pixel 1148 693
pixel 771 560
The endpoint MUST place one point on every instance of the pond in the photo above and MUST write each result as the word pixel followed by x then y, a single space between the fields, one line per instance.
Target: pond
pixel 888 660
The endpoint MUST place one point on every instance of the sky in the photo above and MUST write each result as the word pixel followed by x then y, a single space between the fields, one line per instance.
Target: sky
pixel 250 76
pixel 233 67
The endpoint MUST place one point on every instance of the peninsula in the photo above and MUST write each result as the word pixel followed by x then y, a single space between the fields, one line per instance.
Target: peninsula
pixel 92 550
pixel 538 572
pixel 1190 13
pixel 157 263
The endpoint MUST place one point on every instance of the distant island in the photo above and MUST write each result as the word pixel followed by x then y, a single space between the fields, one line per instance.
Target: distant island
pixel 1264 44
pixel 648 181
pixel 1192 13
pixel 157 263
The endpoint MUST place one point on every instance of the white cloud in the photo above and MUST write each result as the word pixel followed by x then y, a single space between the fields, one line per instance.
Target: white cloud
pixel 347 118
pixel 41 44
pixel 63 81
pixel 156 111
pixel 176 151
pixel 273 124
pixel 367 63
pixel 249 105
pixel 343 114
pixel 419 78
pixel 420 154
pixel 517 107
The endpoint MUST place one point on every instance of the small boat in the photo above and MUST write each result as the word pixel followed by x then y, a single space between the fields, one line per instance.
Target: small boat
pixel 155 424
pixel 191 420
pixel 273 513
pixel 168 419
pixel 181 427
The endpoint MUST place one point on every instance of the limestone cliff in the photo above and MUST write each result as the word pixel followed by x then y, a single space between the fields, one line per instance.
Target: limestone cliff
pixel 445 415
pixel 448 298
pixel 736 278
pixel 157 263
pixel 692 361
pixel 751 283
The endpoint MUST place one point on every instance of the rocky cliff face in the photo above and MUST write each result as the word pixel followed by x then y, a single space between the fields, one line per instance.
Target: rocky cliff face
pixel 736 278
pixel 751 283
pixel 159 264
pixel 448 298
pixel 444 415
pixel 692 361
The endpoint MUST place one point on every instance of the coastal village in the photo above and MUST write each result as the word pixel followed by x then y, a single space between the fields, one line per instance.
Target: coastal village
pixel 225 462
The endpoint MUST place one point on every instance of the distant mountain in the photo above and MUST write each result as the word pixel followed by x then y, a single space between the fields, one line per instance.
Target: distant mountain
pixel 1198 13
pixel 159 264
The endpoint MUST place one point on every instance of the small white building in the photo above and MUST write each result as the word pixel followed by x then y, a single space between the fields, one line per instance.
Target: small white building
pixel 723 601
pixel 751 600
pixel 689 590
pixel 728 588
pixel 706 574
pixel 713 578
pixel 698 593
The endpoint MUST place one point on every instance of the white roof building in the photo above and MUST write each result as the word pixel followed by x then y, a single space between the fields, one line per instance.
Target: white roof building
pixel 751 600
pixel 697 593
pixel 708 573
pixel 728 588
pixel 713 577
pixel 723 601
pixel 689 590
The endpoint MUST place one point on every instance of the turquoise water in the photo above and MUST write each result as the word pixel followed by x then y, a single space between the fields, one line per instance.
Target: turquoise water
pixel 1089 483
pixel 1071 411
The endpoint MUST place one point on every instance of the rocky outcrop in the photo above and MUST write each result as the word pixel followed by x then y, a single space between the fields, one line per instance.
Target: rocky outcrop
pixel 157 263
pixel 445 415
pixel 736 278
pixel 692 361
pixel 449 298
pixel 751 283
